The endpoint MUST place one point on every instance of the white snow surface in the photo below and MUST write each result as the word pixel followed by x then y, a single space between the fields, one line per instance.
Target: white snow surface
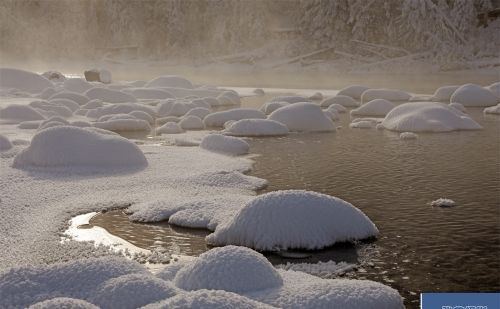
pixel 218 119
pixel 473 95
pixel 493 109
pixel 377 107
pixel 458 106
pixel 109 95
pixel 200 112
pixel 343 100
pixel 387 94
pixel 256 127
pixel 303 117
pixel 23 80
pixel 148 93
pixel 337 107
pixel 76 97
pixel 225 144
pixel 119 125
pixel 353 91
pixel 495 88
pixel 427 117
pixel 294 219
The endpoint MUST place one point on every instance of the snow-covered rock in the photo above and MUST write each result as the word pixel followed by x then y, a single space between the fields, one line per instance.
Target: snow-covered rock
pixel 303 117
pixel 162 120
pixel 19 113
pixel 387 94
pixel 408 136
pixel 212 101
pixel 46 93
pixel 294 219
pixel 149 93
pixel 200 112
pixel 377 107
pixel 473 95
pixel 29 125
pixel 427 117
pixel 443 202
pixel 77 85
pixel 225 144
pixel 191 123
pixel 110 96
pixel 63 303
pixel 93 104
pixel 256 127
pixel 23 80
pixel 443 94
pixel 353 91
pixel 270 107
pixel 218 119
pixel 259 91
pixel 68 147
pixel 169 81
pixel 76 97
pixel 5 143
pixel 230 268
pixel 332 114
pixel 343 100
pixel 290 99
pixel 492 109
pixel 169 128
pixel 81 124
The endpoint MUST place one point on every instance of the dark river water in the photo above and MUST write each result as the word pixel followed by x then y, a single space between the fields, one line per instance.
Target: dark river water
pixel 420 247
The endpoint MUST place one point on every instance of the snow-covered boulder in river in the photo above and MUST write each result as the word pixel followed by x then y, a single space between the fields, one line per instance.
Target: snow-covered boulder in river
pixel 473 95
pixel 353 91
pixel 169 128
pixel 392 95
pixel 191 123
pixel 256 127
pixel 343 100
pixel 495 88
pixel 110 96
pixel 169 81
pixel 377 107
pixel 77 85
pixel 225 144
pixel 270 107
pixel 443 94
pixel 303 117
pixel 23 80
pixel 218 119
pixel 290 99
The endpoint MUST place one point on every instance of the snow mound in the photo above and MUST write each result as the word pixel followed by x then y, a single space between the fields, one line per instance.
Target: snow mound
pixel 72 105
pixel 52 107
pixel 343 100
pixel 443 202
pixel 332 114
pixel 495 88
pixel 169 128
pixel 23 80
pixel 294 219
pixel 81 124
pixel 208 299
pixel 408 136
pixel 443 94
pixel 229 98
pixel 303 117
pixel 427 117
pixel 122 108
pixel 46 93
pixel 270 107
pixel 65 146
pixel 63 303
pixel 338 108
pixel 93 104
pixel 200 112
pixel 316 96
pixel 290 99
pixel 29 125
pixel 191 123
pixel 5 143
pixel 77 85
pixel 230 268
pixel 225 144
pixel 218 119
pixel 110 96
pixel 256 127
pixel 492 110
pixel 73 96
pixel 132 291
pixel 169 81
pixel 353 91
pixel 119 124
pixel 163 120
pixel 143 115
pixel 473 95
pixel 19 113
pixel 387 94
pixel 377 107
pixel 148 93
pixel 259 91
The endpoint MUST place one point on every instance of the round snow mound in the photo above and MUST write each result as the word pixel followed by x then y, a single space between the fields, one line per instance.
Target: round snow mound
pixel 65 146
pixel 230 268
pixel 169 81
pixel 303 117
pixel 294 219
pixel 169 128
pixel 492 109
pixel 225 144
pixel 473 95
pixel 256 127
pixel 63 303
pixel 387 94
pixel 18 113
pixel 23 80
pixel 353 91
pixel 427 117
pixel 5 143
pixel 191 123
pixel 218 119
pixel 443 94
pixel 377 107
pixel 110 96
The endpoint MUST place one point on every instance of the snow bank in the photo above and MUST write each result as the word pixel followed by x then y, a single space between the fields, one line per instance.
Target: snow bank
pixel 191 123
pixel 5 143
pixel 343 100
pixel 79 147
pixel 225 144
pixel 443 94
pixel 110 96
pixel 294 219
pixel 303 117
pixel 408 136
pixel 63 303
pixel 427 117
pixel 443 202
pixel 290 99
pixel 270 107
pixel 200 112
pixel 377 107
pixel 76 97
pixel 218 119
pixel 77 85
pixel 493 109
pixel 148 93
pixel 169 81
pixel 353 91
pixel 316 96
pixel 230 268
pixel 473 95
pixel 387 94
pixel 256 127
pixel 23 80
pixel 169 128
pixel 19 113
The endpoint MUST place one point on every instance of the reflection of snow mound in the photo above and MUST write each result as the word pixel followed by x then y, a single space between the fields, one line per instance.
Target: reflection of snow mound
pixel 387 94
pixel 473 95
pixel 428 116
pixel 305 117
pixel 256 127
pixel 218 119
pixel 224 144
pixel 354 91
pixel 63 303
pixel 377 107
pixel 23 80
pixel 294 219
pixel 230 268
pixel 343 100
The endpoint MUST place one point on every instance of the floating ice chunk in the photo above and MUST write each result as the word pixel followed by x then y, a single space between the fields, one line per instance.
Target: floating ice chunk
pixel 495 88
pixel 353 91
pixel 169 81
pixel 143 115
pixel 443 202
pixel 428 117
pixel 492 109
pixel 229 98
pixel 200 112
pixel 290 99
pixel 218 119
pixel 337 107
pixel 256 127
pixel 76 97
pixel 225 144
pixel 458 106
pixel 387 94
pixel 108 95
pixel 191 123
pixel 5 143
pixel 18 113
pixel 443 94
pixel 294 219
pixel 473 95
pixel 132 291
pixel 23 80
pixel 408 136
pixel 54 76
pixel 63 303
pixel 77 85
pixel 377 107
pixel 303 117
pixel 79 147
pixel 230 268
pixel 343 100
pixel 169 128
pixel 120 124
